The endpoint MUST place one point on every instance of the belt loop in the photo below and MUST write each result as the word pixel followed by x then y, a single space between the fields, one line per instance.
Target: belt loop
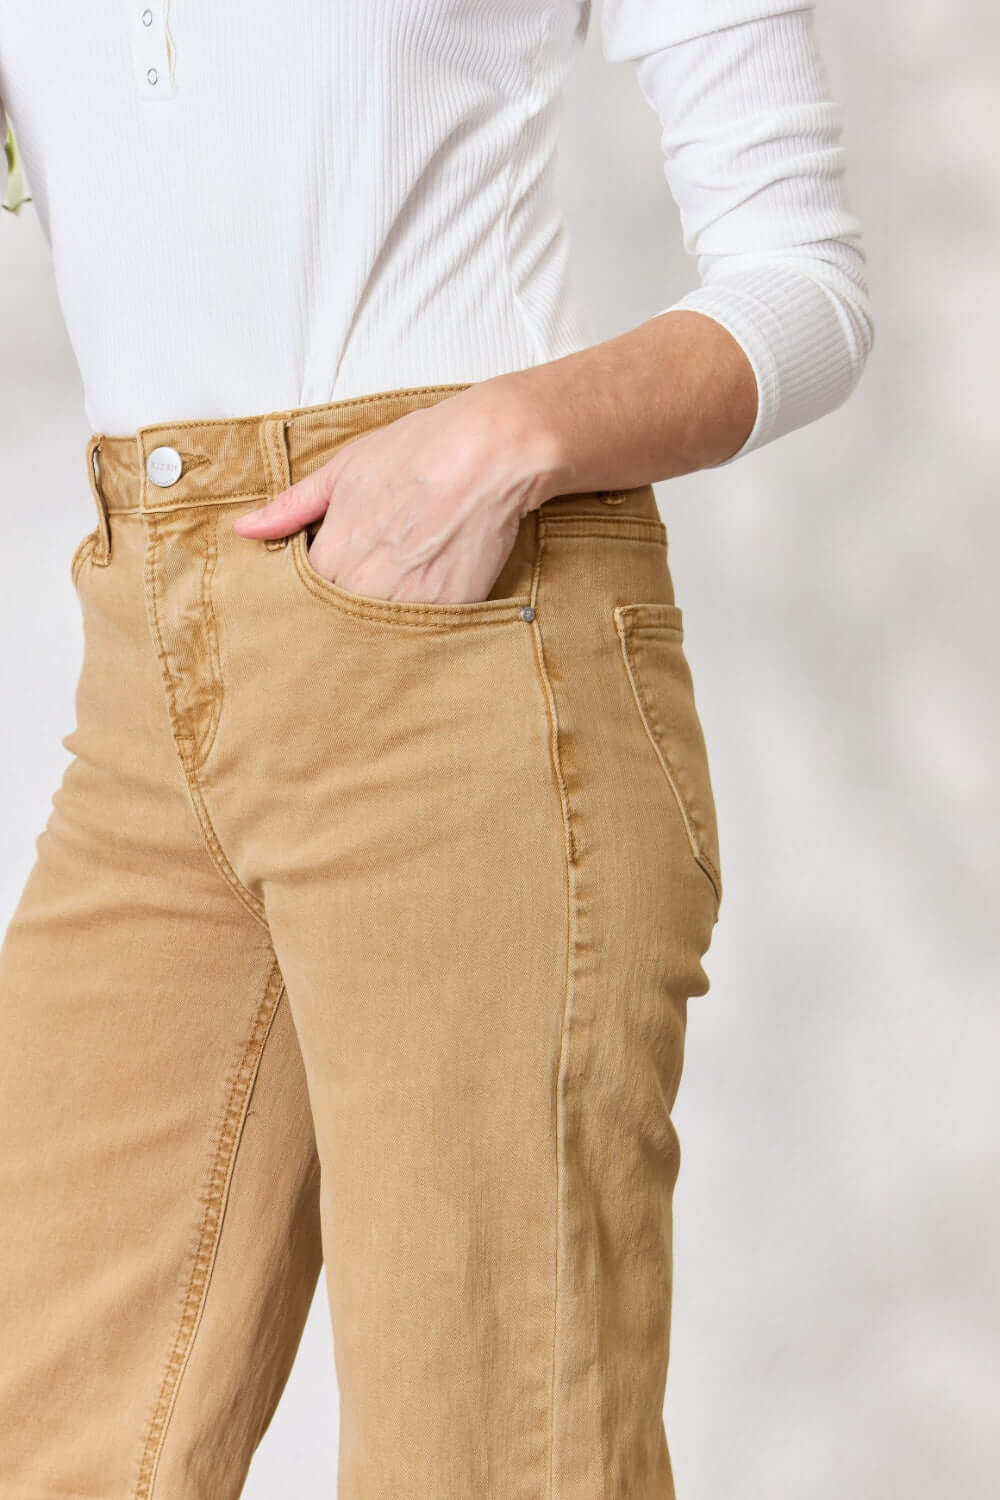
pixel 274 443
pixel 102 553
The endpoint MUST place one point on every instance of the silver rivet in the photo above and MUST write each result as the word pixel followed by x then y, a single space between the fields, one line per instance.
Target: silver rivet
pixel 152 75
pixel 164 466
pixel 147 18
pixel 527 613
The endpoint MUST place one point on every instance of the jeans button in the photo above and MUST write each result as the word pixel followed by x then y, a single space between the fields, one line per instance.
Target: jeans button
pixel 164 466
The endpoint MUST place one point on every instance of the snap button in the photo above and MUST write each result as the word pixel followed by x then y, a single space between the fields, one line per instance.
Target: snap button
pixel 147 18
pixel 164 466
pixel 152 75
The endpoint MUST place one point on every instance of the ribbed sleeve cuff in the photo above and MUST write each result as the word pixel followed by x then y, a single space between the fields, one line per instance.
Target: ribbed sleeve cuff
pixel 799 340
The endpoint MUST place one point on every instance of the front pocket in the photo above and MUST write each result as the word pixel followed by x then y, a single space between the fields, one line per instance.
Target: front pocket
pixel 412 614
pixel 81 553
pixel 651 637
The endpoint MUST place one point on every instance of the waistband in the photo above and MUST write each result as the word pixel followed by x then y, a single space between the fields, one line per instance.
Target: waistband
pixel 228 460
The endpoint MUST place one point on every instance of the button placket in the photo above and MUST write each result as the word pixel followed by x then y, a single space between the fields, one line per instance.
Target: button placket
pixel 152 49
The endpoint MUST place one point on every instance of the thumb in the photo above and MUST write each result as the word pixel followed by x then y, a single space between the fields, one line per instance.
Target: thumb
pixel 287 511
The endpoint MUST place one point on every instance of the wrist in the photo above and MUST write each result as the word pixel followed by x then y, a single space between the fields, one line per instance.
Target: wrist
pixel 539 447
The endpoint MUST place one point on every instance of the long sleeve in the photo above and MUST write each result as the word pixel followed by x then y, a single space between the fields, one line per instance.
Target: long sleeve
pixel 752 158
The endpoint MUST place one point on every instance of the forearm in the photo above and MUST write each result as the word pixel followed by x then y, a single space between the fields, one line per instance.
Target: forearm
pixel 778 331
pixel 673 395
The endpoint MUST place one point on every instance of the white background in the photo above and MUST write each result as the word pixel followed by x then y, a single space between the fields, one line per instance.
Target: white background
pixel 838 1215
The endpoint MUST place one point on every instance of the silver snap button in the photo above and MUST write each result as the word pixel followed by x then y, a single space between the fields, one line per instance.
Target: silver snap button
pixel 527 613
pixel 152 75
pixel 164 466
pixel 147 18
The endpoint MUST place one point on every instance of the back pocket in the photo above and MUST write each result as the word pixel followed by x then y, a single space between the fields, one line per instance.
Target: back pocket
pixel 651 637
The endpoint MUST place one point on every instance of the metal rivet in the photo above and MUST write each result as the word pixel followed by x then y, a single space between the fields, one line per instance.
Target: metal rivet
pixel 147 18
pixel 527 613
pixel 152 75
pixel 613 497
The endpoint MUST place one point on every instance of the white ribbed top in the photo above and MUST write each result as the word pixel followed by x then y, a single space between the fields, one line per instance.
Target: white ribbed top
pixel 254 206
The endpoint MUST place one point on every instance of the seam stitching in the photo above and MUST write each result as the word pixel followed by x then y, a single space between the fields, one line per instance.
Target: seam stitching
pixel 607 520
pixel 631 531
pixel 276 459
pixel 212 639
pixel 213 423
pixel 101 557
pixel 192 504
pixel 645 707
pixel 570 849
pixel 196 791
pixel 277 462
pixel 83 551
pixel 185 741
pixel 215 1192
pixel 501 611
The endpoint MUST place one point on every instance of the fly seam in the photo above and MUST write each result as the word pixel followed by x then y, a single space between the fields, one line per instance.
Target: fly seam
pixel 185 741
pixel 211 534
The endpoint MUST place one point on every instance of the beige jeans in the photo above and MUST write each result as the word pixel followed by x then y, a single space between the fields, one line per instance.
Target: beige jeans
pixel 362 932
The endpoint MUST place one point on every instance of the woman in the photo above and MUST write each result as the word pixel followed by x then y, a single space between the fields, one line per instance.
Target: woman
pixel 366 916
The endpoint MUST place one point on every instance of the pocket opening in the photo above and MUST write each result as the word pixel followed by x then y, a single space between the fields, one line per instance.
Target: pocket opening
pixel 81 552
pixel 409 613
pixel 651 640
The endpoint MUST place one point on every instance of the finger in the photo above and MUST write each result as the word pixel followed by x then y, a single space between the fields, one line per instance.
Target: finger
pixel 289 510
pixel 326 551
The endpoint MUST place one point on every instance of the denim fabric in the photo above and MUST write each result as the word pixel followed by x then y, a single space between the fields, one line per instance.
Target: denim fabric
pixel 363 932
